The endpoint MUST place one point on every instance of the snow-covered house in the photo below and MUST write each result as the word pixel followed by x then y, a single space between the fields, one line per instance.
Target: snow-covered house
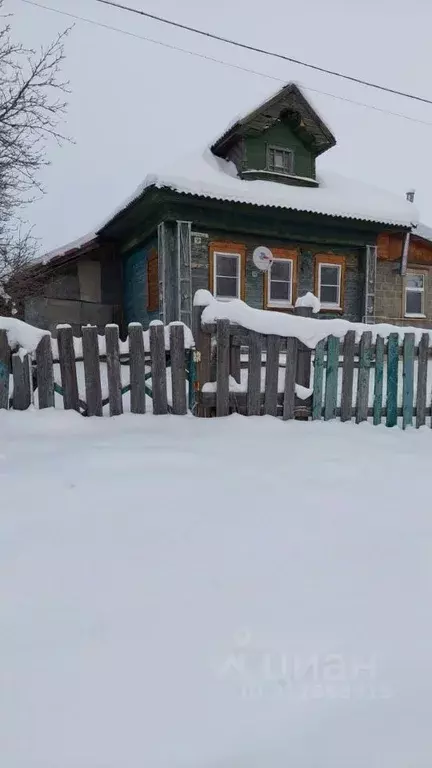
pixel 196 225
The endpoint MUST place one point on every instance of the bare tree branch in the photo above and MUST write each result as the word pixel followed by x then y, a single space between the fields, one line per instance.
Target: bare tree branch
pixel 32 106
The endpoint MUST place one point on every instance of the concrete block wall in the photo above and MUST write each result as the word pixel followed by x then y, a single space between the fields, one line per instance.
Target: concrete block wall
pixel 389 295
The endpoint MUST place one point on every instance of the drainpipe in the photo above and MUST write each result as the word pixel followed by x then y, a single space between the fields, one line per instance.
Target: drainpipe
pixel 405 250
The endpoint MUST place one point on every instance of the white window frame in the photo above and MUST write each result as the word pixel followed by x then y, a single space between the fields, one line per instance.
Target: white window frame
pixel 330 304
pixel 421 291
pixel 215 275
pixel 279 302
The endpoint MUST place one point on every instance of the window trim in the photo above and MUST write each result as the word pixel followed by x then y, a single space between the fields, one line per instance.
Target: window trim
pixel 277 148
pixel 228 249
pixel 330 260
pixel 421 291
pixel 281 254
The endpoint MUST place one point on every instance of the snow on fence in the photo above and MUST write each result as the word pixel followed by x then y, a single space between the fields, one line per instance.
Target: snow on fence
pixel 359 374
pixel 92 374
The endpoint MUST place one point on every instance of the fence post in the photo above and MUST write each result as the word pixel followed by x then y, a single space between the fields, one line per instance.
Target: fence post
pixel 21 378
pixel 272 375
pixel 254 374
pixel 4 370
pixel 347 376
pixel 113 370
pixel 92 370
pixel 137 368
pixel 422 380
pixel 222 373
pixel 45 372
pixel 203 348
pixel 68 367
pixel 303 369
pixel 289 393
pixel 158 368
pixel 178 374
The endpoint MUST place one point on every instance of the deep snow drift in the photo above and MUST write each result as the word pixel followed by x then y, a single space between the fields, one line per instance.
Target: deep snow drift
pixel 239 593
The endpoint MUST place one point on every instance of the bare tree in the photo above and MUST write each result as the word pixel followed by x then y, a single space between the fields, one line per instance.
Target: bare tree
pixel 32 105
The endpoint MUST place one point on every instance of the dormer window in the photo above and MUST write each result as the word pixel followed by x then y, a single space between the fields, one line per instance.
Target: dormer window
pixel 280 160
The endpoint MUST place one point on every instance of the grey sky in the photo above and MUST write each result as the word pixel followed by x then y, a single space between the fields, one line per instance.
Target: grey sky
pixel 135 105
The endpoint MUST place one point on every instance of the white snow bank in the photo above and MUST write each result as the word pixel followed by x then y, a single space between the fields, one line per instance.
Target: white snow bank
pixel 284 625
pixel 21 334
pixel 209 176
pixel 309 300
pixel 307 329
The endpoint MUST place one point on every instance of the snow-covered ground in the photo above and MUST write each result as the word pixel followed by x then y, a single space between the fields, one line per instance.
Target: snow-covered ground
pixel 221 593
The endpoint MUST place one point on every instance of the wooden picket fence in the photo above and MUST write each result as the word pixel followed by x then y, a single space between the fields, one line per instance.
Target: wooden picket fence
pixel 34 376
pixel 238 370
pixel 256 374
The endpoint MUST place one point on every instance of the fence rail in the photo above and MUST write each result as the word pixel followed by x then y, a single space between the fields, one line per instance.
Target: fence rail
pixel 92 380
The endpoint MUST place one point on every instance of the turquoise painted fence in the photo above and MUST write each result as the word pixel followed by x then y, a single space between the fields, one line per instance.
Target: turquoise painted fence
pixel 381 380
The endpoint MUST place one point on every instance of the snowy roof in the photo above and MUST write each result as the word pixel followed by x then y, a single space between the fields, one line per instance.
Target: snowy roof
pixel 206 175
pixel 289 100
pixel 67 250
pixel 423 231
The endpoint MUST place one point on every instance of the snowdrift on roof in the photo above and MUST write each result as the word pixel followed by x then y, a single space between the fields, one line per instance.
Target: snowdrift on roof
pixel 208 176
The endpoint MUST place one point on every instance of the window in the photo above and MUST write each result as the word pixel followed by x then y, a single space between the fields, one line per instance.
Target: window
pixel 414 294
pixel 279 283
pixel 227 270
pixel 329 280
pixel 280 160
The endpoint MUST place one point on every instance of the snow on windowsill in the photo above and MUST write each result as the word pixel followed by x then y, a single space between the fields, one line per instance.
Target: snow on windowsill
pixel 309 300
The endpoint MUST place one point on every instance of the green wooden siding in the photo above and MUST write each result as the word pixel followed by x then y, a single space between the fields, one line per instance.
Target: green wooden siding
pixel 279 135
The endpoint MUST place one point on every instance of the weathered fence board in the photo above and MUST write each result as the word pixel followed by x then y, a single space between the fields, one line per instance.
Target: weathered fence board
pixel 22 394
pixel 235 364
pixel 4 369
pixel 45 373
pixel 392 378
pixel 379 377
pixel 347 375
pixel 408 380
pixel 272 375
pixel 254 375
pixel 331 377
pixel 68 368
pixel 137 368
pixel 158 369
pixel 178 372
pixel 363 377
pixel 290 379
pixel 422 380
pixel 222 374
pixel 113 370
pixel 92 370
pixel 317 397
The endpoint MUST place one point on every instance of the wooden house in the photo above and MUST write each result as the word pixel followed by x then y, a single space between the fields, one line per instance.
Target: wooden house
pixel 196 225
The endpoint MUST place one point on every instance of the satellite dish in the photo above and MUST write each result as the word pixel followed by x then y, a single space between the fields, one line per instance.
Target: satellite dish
pixel 262 258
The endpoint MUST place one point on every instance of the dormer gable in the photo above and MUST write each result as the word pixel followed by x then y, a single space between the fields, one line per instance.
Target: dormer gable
pixel 278 141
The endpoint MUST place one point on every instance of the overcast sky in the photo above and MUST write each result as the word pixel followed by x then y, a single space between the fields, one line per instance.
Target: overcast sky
pixel 136 105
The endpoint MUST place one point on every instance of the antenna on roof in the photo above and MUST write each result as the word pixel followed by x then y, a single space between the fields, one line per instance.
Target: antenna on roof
pixel 410 195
